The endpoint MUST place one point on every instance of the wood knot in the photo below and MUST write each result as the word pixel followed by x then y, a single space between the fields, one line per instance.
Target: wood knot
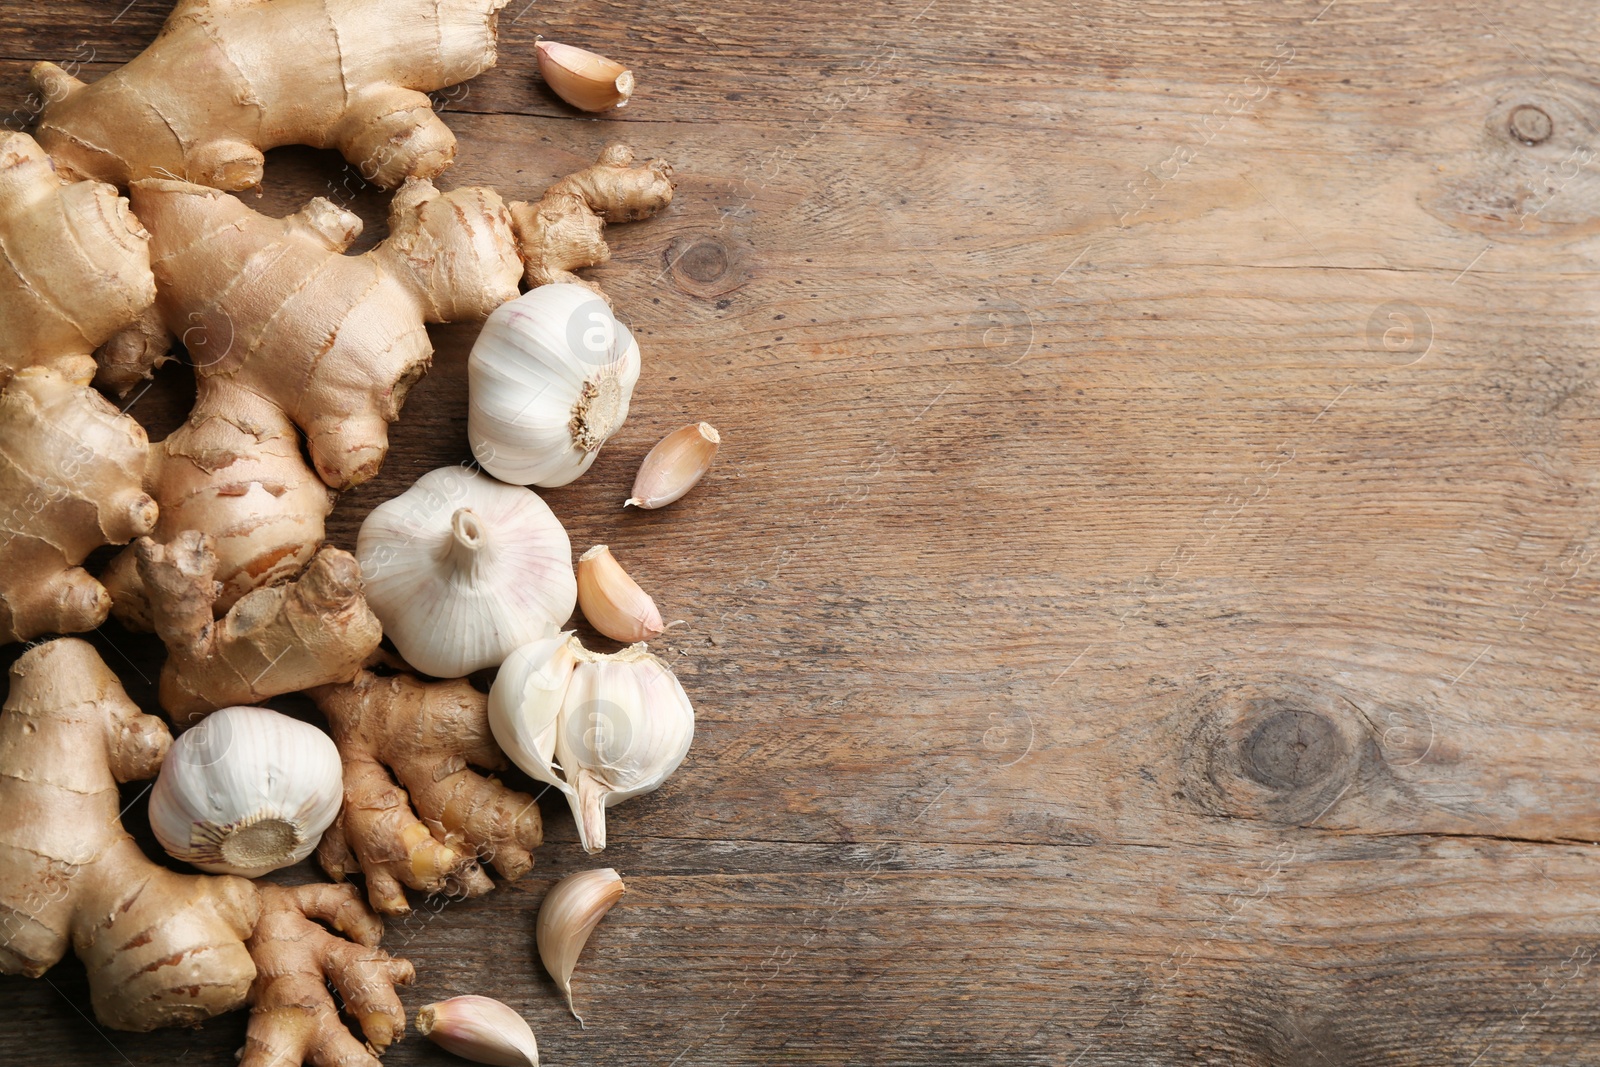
pixel 708 265
pixel 1287 752
pixel 1525 167
pixel 1529 124
pixel 1293 749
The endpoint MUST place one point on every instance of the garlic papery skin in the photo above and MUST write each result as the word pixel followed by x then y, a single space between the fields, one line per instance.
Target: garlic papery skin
pixel 549 380
pixel 600 728
pixel 570 912
pixel 480 1029
pixel 246 791
pixel 612 601
pixel 461 569
pixel 672 468
pixel 586 80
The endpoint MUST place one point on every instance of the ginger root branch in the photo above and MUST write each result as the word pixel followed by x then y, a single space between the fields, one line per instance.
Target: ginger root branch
pixel 292 1016
pixel 565 230
pixel 313 631
pixel 425 734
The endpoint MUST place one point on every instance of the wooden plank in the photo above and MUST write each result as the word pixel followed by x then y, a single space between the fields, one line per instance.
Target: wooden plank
pixel 1144 610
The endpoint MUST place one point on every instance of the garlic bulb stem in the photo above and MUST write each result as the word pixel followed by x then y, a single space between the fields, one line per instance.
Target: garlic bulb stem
pixel 467 541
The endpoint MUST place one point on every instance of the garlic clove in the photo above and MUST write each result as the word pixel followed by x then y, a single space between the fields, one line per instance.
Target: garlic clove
pixel 462 569
pixel 480 1029
pixel 674 465
pixel 587 81
pixel 569 914
pixel 612 601
pixel 247 791
pixel 549 380
pixel 601 728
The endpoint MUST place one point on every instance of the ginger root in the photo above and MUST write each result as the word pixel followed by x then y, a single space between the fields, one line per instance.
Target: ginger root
pixel 292 1017
pixel 227 79
pixel 425 734
pixel 285 331
pixel 564 230
pixel 161 948
pixel 75 269
pixel 70 473
pixel 313 631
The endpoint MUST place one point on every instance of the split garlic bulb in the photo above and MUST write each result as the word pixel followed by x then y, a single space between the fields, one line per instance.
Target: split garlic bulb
pixel 599 728
pixel 245 792
pixel 461 569
pixel 549 380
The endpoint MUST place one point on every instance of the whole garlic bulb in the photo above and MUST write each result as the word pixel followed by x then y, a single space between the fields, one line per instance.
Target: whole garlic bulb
pixel 461 569
pixel 549 380
pixel 600 728
pixel 245 792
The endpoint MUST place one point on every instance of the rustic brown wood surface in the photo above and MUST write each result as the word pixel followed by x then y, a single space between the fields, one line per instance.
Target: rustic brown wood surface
pixel 1144 612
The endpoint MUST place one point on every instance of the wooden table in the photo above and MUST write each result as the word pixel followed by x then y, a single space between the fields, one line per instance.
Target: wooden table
pixel 1145 609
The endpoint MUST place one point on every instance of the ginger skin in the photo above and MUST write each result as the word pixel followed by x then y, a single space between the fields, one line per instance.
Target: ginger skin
pixel 312 631
pixel 227 79
pixel 292 1017
pixel 75 269
pixel 424 734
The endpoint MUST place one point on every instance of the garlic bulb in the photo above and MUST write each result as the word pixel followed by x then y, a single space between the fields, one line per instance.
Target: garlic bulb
pixel 549 380
pixel 612 601
pixel 569 914
pixel 247 791
pixel 480 1029
pixel 599 728
pixel 674 465
pixel 584 79
pixel 461 569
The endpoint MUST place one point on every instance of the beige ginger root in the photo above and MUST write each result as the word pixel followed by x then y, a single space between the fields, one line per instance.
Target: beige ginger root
pixel 162 948
pixel 70 472
pixel 286 331
pixel 423 734
pixel 313 631
pixel 227 79
pixel 292 1017
pixel 74 269
pixel 564 230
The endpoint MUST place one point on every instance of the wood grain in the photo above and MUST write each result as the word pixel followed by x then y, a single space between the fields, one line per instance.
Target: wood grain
pixel 1145 608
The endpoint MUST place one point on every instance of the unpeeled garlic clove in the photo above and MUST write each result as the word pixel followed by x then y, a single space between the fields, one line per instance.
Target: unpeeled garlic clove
pixel 612 601
pixel 480 1029
pixel 587 81
pixel 569 914
pixel 672 468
